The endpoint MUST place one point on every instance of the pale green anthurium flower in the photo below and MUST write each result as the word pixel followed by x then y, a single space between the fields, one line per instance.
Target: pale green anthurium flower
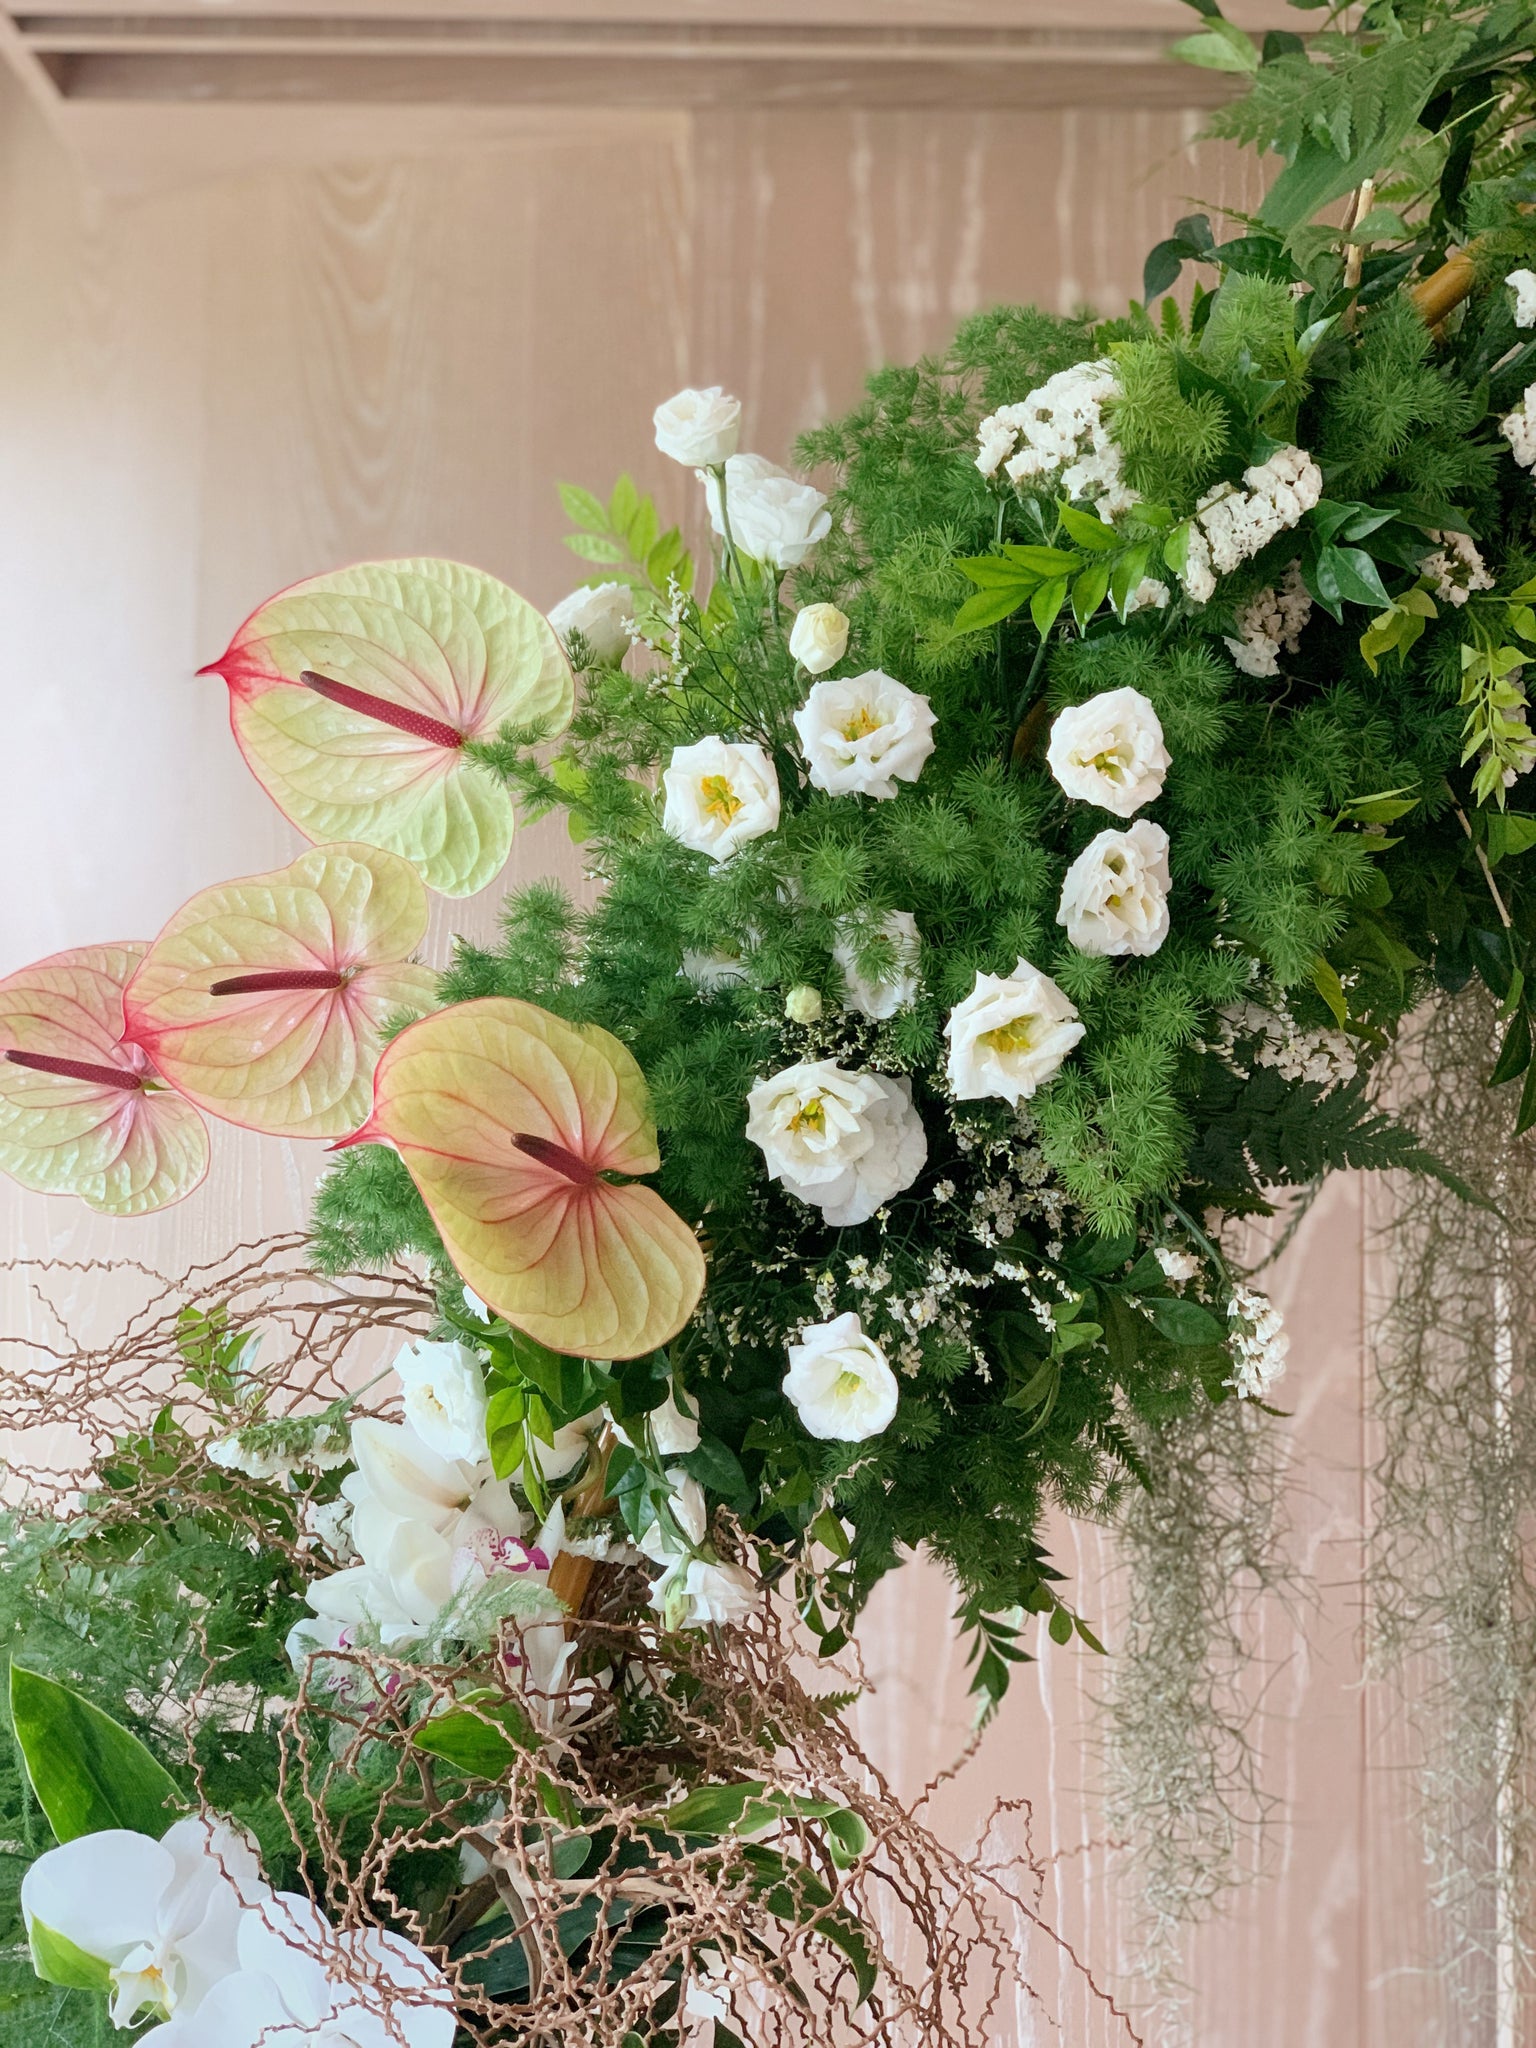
pixel 162 1918
pixel 300 1984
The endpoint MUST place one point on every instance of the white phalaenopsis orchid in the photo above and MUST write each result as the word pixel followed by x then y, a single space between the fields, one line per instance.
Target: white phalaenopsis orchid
pixel 419 1523
pixel 301 1984
pixel 162 1917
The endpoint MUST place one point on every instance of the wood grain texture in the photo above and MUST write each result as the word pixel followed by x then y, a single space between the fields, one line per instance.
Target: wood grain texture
pixel 219 386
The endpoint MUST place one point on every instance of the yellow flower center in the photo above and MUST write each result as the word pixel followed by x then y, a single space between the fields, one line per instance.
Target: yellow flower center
pixel 862 724
pixel 1010 1037
pixel 846 1385
pixel 720 800
pixel 1111 763
pixel 810 1116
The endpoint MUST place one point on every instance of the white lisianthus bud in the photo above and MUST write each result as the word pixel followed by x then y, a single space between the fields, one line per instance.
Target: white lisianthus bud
pixel 864 733
pixel 599 613
pixel 719 796
pixel 717 1594
pixel 444 1398
pixel 803 1003
pixel 839 1382
pixel 1523 284
pixel 1110 752
pixel 699 427
pixel 819 639
pixel 774 518
pixel 1115 897
pixel 673 1433
pixel 843 1141
pixel 1009 1035
pixel 878 1000
pixel 690 1522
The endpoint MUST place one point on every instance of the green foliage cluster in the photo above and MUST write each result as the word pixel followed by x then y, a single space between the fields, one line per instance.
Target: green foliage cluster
pixel 1342 834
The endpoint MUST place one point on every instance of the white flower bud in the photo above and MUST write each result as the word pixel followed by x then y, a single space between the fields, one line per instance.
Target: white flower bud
pixel 819 639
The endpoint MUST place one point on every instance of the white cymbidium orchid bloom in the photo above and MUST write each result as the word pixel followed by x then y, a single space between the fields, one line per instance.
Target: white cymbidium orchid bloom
pixel 162 1917
pixel 301 1984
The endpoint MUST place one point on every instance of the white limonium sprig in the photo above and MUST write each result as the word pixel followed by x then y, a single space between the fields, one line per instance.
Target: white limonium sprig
pixel 1523 284
pixel 1058 440
pixel 1010 1035
pixel 846 1142
pixel 720 794
pixel 1110 751
pixel 1519 429
pixel 1270 624
pixel 1231 525
pixel 1256 1334
pixel 1456 568
pixel 863 734
pixel 840 1383
pixel 1114 900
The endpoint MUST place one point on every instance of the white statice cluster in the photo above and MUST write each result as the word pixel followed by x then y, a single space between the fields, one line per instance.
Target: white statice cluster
pixel 1456 568
pixel 842 1140
pixel 1256 1334
pixel 1232 525
pixel 1014 1185
pixel 1271 624
pixel 1179 1268
pixel 1519 429
pixel 186 1931
pixel 1150 594
pixel 1523 284
pixel 1272 1038
pixel 1057 439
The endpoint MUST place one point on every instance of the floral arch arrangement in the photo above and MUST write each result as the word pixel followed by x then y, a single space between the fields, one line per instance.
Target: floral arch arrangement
pixel 1017 861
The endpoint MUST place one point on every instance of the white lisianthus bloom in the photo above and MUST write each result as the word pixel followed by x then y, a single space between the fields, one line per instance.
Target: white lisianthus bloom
pixel 774 517
pixel 162 1918
pixel 1523 284
pixel 716 1595
pixel 1115 897
pixel 845 1142
pixel 719 795
pixel 819 638
pixel 878 1000
pixel 710 971
pixel 673 1433
pixel 700 428
pixel 1110 752
pixel 864 734
pixel 1009 1035
pixel 444 1398
pixel 300 1982
pixel 839 1382
pixel 600 613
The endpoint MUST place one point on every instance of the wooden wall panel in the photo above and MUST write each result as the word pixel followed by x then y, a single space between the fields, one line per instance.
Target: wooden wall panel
pixel 216 388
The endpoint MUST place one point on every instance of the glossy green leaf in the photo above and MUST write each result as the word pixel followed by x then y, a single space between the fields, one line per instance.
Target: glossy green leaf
pixel 88 1772
pixel 1515 1051
pixel 1181 1321
pixel 1046 604
pixel 484 1737
pixel 1087 530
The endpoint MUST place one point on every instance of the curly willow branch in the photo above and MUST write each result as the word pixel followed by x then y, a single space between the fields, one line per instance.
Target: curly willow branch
pixel 1451 1599
pixel 547 1886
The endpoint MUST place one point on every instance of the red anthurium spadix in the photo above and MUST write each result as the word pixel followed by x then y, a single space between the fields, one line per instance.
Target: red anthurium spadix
pixel 81 1112
pixel 352 697
pixel 511 1122
pixel 264 1001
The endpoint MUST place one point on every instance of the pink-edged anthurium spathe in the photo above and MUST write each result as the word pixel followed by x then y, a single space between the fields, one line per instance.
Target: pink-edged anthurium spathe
pixel 353 695
pixel 81 1111
pixel 264 1001
pixel 514 1124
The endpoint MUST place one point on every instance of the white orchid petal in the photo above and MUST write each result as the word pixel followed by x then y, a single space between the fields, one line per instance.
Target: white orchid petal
pixel 403 1474
pixel 102 1892
pixel 243 2010
pixel 288 1941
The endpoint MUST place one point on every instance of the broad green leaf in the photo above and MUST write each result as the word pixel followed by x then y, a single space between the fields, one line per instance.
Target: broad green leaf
pixel 1355 576
pixel 1059 1626
pixel 1088 591
pixel 1125 577
pixel 1089 532
pixel 81 1112
pixel 264 1001
pixel 58 1961
pixel 420 655
pixel 484 1737
pixel 88 1772
pixel 1515 1052
pixel 1043 561
pixel 1181 1321
pixel 581 506
pixel 989 606
pixel 510 1122
pixel 624 504
pixel 1326 981
pixel 1221 47
pixel 1047 603
pixel 1509 833
pixel 596 547
pixel 793 1893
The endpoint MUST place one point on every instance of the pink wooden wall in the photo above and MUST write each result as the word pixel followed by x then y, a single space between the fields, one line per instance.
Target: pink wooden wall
pixel 216 386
